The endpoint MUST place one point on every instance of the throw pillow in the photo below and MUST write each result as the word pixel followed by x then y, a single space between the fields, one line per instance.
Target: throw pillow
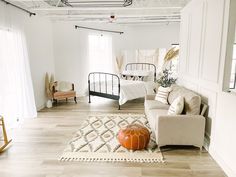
pixel 177 106
pixel 162 94
pixel 192 106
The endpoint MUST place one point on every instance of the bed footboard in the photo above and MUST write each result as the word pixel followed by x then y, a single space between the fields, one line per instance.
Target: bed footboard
pixel 104 85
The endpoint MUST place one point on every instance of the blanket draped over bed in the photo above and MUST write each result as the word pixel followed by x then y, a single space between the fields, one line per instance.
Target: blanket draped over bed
pixel 130 90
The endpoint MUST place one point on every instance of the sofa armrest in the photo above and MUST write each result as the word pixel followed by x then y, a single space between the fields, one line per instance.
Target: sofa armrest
pixel 150 97
pixel 181 130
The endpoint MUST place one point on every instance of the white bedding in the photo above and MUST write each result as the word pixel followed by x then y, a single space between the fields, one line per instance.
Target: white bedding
pixel 129 90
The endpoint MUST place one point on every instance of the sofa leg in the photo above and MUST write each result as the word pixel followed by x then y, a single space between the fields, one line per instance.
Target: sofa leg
pixel 75 99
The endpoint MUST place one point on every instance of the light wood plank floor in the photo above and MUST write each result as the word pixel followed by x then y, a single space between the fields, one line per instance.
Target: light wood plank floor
pixel 38 143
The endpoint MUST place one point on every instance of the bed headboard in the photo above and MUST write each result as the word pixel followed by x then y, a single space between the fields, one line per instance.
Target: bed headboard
pixel 142 66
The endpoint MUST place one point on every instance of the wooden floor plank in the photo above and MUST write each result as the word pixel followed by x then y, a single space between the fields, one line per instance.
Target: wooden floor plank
pixel 38 143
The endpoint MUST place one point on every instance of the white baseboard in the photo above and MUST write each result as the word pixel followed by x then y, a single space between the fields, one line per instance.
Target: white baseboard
pixel 206 144
pixel 229 171
pixel 40 107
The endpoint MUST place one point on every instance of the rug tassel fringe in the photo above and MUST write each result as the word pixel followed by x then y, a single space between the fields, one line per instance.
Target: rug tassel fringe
pixel 111 160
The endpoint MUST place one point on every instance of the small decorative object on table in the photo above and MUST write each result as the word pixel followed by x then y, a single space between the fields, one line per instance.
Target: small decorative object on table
pixel 4 133
pixel 134 137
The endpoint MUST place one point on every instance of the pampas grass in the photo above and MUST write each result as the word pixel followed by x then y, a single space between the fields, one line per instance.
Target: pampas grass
pixel 171 54
pixel 49 85
pixel 119 62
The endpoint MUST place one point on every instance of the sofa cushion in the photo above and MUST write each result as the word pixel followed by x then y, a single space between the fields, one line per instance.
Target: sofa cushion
pixel 63 86
pixel 175 93
pixel 177 106
pixel 152 116
pixel 192 101
pixel 162 94
pixel 192 104
pixel 153 104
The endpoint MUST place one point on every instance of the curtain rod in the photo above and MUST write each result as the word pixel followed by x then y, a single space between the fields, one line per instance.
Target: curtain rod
pixel 30 13
pixel 96 29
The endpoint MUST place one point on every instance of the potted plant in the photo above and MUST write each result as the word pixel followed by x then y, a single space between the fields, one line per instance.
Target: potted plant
pixel 166 80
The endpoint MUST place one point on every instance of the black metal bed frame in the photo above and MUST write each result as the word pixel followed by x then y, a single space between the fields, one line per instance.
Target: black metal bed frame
pixel 113 96
pixel 142 66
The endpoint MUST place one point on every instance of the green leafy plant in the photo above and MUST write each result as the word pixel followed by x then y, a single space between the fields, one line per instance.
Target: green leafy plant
pixel 166 80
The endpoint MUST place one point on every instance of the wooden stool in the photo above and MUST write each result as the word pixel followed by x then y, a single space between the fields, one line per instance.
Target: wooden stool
pixel 4 132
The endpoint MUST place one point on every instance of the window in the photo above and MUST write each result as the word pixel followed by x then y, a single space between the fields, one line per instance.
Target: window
pixel 233 70
pixel 100 53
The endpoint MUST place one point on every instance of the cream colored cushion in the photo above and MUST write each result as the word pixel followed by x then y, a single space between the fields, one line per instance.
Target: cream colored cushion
pixel 154 104
pixel 153 115
pixel 192 106
pixel 192 101
pixel 162 94
pixel 63 86
pixel 177 106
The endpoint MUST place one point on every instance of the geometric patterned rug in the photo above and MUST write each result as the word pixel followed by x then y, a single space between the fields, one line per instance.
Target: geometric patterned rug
pixel 96 141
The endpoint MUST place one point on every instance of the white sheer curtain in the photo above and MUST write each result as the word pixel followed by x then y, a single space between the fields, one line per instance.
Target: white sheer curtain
pixel 16 90
pixel 100 53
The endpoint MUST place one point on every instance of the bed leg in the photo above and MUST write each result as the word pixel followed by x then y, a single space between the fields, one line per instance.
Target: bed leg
pixel 89 99
pixel 119 107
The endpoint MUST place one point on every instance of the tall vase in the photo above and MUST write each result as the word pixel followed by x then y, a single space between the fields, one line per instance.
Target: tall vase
pixel 49 104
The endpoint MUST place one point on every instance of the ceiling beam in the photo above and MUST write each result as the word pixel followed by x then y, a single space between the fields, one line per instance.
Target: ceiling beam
pixel 97 29
pixel 108 15
pixel 119 22
pixel 105 8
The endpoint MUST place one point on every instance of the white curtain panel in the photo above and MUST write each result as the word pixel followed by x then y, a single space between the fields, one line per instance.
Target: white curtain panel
pixel 100 53
pixel 16 90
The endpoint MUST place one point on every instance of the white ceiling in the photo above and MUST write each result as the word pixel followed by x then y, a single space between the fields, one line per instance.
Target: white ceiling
pixel 139 12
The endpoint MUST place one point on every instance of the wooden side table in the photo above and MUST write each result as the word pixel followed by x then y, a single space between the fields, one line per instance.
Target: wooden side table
pixel 4 132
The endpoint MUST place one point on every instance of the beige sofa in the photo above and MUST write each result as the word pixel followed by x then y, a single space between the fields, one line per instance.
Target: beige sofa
pixel 185 129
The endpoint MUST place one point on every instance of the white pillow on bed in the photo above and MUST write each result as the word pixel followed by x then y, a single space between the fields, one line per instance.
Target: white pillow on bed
pixel 145 75
pixel 136 73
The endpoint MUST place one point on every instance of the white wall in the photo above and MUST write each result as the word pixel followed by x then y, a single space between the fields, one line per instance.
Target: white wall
pixel 235 36
pixel 38 32
pixel 70 46
pixel 40 47
pixel 203 44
